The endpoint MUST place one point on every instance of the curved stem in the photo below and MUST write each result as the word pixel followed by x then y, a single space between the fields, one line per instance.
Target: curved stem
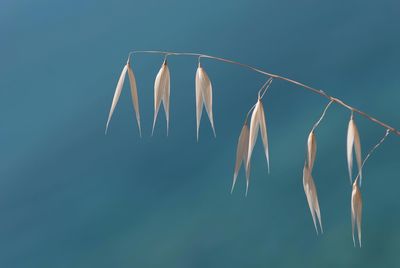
pixel 370 152
pixel 314 90
pixel 264 87
pixel 322 116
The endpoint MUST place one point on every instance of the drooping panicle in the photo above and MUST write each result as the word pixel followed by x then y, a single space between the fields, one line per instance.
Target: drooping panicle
pixel 203 97
pixel 257 123
pixel 312 198
pixel 353 140
pixel 356 211
pixel 311 150
pixel 241 156
pixel 162 93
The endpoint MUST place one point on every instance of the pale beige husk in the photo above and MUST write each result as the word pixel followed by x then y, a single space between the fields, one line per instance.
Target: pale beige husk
pixel 353 140
pixel 257 123
pixel 117 94
pixel 241 156
pixel 312 197
pixel 203 97
pixel 356 211
pixel 134 94
pixel 311 150
pixel 162 93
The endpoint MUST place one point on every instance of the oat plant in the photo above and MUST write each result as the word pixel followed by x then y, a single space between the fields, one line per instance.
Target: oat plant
pixel 255 124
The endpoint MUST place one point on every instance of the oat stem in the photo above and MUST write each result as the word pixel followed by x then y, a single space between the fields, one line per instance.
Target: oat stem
pixel 264 87
pixel 322 116
pixel 314 90
pixel 370 153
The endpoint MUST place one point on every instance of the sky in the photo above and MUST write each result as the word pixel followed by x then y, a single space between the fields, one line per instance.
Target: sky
pixel 71 196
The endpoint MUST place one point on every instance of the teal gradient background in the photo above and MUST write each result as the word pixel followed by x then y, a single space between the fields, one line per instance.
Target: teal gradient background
pixel 72 197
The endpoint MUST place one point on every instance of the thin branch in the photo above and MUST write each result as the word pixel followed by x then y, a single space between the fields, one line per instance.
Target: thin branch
pixel 266 84
pixel 370 152
pixel 322 116
pixel 266 87
pixel 314 90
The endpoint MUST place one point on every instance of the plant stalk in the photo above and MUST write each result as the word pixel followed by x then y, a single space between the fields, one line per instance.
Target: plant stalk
pixel 275 76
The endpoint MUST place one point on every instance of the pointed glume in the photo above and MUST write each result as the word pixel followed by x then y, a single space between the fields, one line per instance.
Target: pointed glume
pixel 312 197
pixel 162 94
pixel 356 211
pixel 117 94
pixel 241 156
pixel 134 95
pixel 312 150
pixel 203 97
pixel 353 141
pixel 257 123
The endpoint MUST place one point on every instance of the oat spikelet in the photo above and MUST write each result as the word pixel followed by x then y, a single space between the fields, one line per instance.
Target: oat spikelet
pixel 241 156
pixel 356 211
pixel 353 140
pixel 258 122
pixel 162 93
pixel 311 150
pixel 312 198
pixel 203 96
pixel 135 99
pixel 199 102
pixel 117 94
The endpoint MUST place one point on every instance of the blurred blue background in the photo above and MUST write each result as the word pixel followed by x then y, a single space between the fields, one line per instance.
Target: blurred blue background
pixel 72 197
